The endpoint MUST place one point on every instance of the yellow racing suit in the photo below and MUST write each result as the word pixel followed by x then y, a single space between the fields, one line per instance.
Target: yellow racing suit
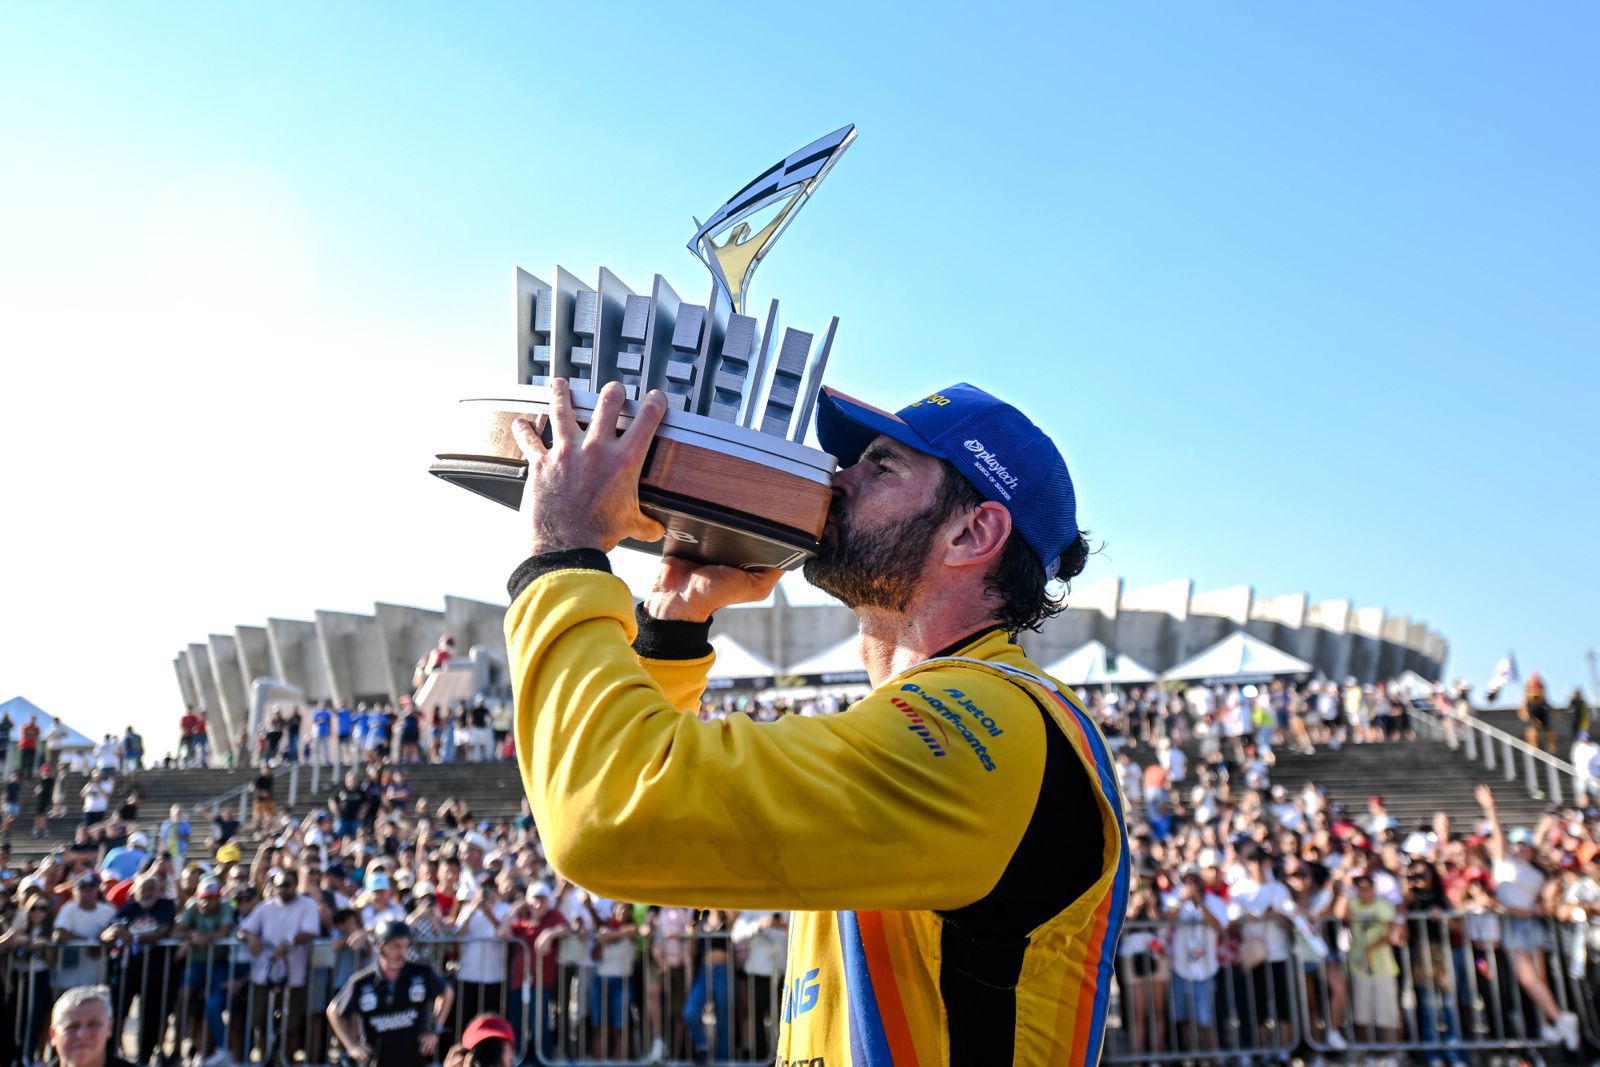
pixel 952 845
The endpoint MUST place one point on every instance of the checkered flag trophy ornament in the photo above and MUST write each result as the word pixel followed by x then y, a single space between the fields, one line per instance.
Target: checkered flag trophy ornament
pixel 728 475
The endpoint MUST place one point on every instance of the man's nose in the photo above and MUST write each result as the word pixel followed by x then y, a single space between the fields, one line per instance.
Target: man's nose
pixel 847 481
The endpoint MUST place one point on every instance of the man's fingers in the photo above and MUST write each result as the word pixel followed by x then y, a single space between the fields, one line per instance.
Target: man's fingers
pixel 603 427
pixel 636 440
pixel 527 439
pixel 564 425
pixel 764 581
pixel 647 530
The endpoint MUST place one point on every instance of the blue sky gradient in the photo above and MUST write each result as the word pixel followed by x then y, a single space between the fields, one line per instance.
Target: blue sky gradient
pixel 1307 295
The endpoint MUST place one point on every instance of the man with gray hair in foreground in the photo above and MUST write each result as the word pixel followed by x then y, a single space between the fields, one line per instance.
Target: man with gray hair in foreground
pixel 81 1028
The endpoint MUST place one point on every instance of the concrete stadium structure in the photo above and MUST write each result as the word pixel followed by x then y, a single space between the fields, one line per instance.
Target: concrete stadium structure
pixel 346 657
pixel 334 656
pixel 1160 626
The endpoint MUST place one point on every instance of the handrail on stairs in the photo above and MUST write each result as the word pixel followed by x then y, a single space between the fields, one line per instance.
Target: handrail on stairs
pixel 1495 749
pixel 318 782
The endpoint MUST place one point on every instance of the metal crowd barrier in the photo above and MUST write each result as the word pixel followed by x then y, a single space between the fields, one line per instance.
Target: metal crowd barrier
pixel 612 1004
pixel 1443 986
pixel 593 1004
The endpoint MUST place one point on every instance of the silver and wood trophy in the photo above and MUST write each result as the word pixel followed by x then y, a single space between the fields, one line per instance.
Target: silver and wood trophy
pixel 728 475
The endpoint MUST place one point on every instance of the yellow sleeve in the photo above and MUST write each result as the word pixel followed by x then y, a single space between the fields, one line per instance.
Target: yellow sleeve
pixel 914 798
pixel 681 680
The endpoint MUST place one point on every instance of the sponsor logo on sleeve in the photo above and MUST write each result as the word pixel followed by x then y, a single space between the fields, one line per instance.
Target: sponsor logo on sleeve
pixel 950 711
pixel 920 727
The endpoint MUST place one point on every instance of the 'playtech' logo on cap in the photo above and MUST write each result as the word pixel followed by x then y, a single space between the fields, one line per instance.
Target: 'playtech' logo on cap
pixel 992 464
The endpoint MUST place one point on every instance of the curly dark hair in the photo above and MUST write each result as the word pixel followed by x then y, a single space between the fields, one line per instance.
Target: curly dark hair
pixel 1017 585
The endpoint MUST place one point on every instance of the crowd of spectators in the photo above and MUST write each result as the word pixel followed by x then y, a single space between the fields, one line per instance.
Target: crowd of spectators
pixel 1253 908
pixel 216 931
pixel 39 747
pixel 222 938
pixel 346 734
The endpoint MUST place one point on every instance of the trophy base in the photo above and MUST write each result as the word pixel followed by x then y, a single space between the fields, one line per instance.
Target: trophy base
pixel 725 494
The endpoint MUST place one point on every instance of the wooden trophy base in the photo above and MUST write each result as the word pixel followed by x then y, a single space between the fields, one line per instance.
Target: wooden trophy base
pixel 725 494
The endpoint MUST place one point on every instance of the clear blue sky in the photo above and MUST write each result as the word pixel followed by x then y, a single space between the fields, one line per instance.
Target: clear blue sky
pixel 1308 295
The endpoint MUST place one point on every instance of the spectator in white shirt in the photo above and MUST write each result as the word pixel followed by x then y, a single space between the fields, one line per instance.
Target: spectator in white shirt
pixel 574 953
pixel 1518 884
pixel 1312 800
pixel 618 938
pixel 1199 918
pixel 279 932
pixel 1284 811
pixel 107 755
pixel 78 927
pixel 319 836
pixel 1378 817
pixel 1263 903
pixel 483 953
pixel 1585 753
pixel 765 936
pixel 96 794
pixel 380 906
pixel 474 851
pixel 54 739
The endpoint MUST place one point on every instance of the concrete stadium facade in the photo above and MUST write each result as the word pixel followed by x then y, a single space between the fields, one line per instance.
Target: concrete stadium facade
pixel 341 656
pixel 1160 626
pixel 335 655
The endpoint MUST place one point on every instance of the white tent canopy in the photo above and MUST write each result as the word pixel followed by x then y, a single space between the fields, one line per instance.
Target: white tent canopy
pixel 735 663
pixel 21 709
pixel 1237 658
pixel 1091 665
pixel 1414 686
pixel 837 665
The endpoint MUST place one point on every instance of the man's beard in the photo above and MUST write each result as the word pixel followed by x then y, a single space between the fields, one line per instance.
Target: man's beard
pixel 877 568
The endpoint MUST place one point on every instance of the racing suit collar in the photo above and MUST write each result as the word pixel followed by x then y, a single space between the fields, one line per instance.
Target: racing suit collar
pixel 965 642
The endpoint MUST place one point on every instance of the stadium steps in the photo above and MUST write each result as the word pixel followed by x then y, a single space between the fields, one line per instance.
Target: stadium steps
pixel 1415 779
pixel 490 791
pixel 1508 719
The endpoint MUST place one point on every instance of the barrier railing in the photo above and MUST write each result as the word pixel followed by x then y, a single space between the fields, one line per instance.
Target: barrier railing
pixel 1441 985
pixel 572 999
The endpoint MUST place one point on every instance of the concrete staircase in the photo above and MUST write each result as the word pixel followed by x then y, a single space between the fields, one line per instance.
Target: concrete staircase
pixel 490 790
pixel 1508 719
pixel 1416 778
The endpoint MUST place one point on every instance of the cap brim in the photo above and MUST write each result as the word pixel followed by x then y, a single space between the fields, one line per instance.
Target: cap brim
pixel 481 1029
pixel 846 426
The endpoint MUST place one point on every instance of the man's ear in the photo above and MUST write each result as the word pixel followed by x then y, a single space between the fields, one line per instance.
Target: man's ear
pixel 980 538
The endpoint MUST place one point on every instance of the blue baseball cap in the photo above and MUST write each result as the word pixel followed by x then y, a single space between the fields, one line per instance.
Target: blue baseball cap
pixel 995 447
